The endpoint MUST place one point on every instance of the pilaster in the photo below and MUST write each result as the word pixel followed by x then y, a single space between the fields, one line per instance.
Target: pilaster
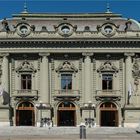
pixel 5 72
pixel 44 78
pixel 128 73
pixel 87 77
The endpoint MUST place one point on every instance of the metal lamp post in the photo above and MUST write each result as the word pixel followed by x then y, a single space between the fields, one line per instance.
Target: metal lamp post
pixel 40 106
pixel 89 106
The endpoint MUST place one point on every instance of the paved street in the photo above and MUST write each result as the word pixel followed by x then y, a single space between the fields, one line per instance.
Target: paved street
pixel 67 133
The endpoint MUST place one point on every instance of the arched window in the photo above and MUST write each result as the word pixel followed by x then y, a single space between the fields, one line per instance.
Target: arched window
pixel 108 105
pixel 66 104
pixel 25 104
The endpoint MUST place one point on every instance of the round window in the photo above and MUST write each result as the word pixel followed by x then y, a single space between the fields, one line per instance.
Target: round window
pixel 108 29
pixel 65 29
pixel 23 30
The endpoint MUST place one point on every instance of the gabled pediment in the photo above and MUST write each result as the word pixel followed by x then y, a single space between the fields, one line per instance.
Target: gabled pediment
pixel 25 66
pixel 66 66
pixel 107 67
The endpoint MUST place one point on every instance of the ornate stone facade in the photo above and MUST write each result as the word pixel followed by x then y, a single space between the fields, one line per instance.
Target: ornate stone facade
pixel 70 68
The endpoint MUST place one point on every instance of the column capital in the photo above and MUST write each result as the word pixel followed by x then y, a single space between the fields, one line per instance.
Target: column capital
pixel 87 54
pixel 44 54
pixel 4 54
pixel 129 54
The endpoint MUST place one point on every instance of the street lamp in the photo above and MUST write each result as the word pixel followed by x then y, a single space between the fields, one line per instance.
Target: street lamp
pixel 41 106
pixel 89 106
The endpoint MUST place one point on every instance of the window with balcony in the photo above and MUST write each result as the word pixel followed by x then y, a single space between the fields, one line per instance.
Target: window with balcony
pixel 26 81
pixel 107 81
pixel 66 81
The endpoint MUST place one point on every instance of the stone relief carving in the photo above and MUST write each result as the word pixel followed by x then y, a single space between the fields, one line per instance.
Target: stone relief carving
pixel 0 69
pixel 66 66
pixel 107 67
pixel 25 66
pixel 136 73
pixel 136 69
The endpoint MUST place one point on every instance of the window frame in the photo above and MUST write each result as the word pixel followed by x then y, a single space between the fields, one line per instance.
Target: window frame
pixel 107 84
pixel 26 80
pixel 70 74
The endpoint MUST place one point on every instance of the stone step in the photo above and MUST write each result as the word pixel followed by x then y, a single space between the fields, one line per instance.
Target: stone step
pixel 31 131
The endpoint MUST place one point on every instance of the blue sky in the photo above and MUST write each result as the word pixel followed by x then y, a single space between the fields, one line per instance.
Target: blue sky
pixel 128 8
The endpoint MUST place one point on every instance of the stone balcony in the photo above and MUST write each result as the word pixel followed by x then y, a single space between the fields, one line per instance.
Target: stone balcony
pixel 108 95
pixel 25 93
pixel 63 94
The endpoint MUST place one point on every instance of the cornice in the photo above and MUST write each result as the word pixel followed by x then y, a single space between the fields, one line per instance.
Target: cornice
pixel 68 15
pixel 129 54
pixel 69 50
pixel 68 40
pixel 4 54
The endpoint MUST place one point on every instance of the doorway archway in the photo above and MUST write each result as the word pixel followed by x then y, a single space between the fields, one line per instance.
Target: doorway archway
pixel 108 114
pixel 66 114
pixel 25 115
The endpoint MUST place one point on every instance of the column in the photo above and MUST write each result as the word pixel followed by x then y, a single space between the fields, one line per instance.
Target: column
pixel 87 77
pixel 5 73
pixel 44 78
pixel 128 73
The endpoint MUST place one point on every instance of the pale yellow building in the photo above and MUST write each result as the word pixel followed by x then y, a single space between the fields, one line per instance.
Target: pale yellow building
pixel 70 68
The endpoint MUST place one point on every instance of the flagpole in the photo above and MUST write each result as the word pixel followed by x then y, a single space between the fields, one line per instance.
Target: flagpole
pixel 11 113
pixel 128 99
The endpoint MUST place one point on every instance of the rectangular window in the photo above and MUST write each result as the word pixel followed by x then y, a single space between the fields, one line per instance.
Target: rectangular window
pixel 107 82
pixel 26 81
pixel 66 81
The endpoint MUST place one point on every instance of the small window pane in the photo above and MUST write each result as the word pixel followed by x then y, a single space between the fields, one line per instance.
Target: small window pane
pixel 107 81
pixel 26 81
pixel 66 81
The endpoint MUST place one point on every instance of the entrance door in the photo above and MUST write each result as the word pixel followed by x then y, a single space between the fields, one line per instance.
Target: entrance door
pixel 25 114
pixel 66 114
pixel 108 114
pixel 66 118
pixel 108 118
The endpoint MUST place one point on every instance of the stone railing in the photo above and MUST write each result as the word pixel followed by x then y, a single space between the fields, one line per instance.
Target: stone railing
pixel 25 93
pixel 64 92
pixel 108 93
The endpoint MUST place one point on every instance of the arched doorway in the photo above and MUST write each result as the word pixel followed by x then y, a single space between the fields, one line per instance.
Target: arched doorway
pixel 25 114
pixel 108 114
pixel 66 114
